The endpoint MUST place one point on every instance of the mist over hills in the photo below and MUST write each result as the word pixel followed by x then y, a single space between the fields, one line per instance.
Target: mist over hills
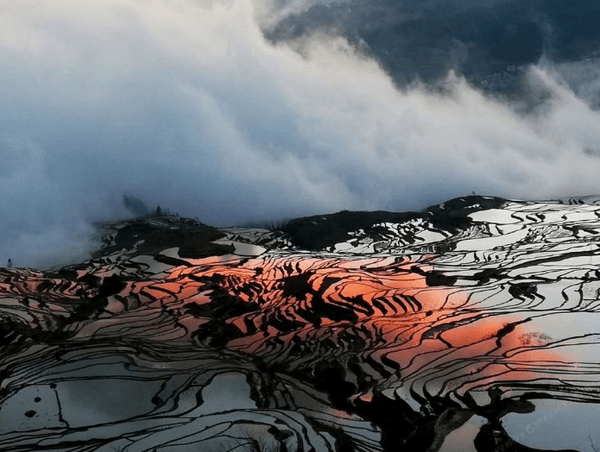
pixel 427 274
pixel 242 111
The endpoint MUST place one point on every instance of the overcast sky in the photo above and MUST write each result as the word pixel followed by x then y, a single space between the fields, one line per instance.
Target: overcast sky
pixel 186 105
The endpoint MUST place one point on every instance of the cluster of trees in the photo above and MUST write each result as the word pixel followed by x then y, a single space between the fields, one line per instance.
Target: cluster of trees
pixel 140 209
pixel 159 212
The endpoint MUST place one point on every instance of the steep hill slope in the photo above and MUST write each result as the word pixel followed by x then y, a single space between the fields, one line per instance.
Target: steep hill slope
pixel 456 328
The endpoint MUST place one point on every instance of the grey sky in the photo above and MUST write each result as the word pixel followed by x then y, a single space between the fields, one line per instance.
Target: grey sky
pixel 463 4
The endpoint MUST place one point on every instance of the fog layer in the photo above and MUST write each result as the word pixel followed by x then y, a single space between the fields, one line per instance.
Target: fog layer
pixel 187 105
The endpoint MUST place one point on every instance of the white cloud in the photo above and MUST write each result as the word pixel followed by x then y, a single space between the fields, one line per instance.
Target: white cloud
pixel 186 105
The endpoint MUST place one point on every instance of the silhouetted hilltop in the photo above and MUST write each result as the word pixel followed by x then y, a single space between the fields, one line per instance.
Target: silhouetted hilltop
pixel 320 232
pixel 151 235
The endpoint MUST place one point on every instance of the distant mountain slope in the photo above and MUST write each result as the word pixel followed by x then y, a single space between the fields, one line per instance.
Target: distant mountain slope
pixel 322 232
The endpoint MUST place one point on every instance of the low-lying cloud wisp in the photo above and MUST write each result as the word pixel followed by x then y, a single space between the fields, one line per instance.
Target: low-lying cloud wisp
pixel 187 105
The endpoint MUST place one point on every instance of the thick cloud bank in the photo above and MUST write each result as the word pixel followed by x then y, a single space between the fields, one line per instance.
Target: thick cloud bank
pixel 187 105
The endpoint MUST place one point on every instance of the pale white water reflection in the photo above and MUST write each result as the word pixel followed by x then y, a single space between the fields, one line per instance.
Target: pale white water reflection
pixel 556 424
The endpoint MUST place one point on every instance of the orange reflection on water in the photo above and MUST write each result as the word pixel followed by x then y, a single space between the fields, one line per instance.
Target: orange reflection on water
pixel 383 306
